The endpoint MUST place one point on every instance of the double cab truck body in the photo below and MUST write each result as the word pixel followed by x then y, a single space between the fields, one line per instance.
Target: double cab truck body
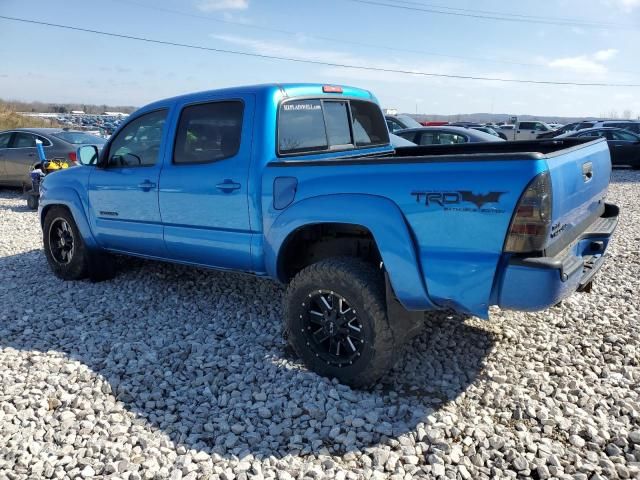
pixel 301 184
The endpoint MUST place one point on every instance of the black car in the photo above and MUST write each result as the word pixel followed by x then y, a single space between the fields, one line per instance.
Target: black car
pixel 623 144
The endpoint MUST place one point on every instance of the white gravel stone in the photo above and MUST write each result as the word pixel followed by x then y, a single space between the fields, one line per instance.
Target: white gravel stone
pixel 174 372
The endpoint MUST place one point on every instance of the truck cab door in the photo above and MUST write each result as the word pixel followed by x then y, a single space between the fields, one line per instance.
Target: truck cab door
pixel 123 190
pixel 204 186
pixel 525 131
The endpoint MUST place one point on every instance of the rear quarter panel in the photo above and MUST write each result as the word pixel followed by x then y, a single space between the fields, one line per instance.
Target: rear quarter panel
pixel 457 246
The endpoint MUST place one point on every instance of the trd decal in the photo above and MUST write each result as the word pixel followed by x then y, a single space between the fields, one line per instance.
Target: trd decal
pixel 452 201
pixel 480 200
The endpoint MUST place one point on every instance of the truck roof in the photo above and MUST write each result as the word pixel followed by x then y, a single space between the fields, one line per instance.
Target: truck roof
pixel 269 89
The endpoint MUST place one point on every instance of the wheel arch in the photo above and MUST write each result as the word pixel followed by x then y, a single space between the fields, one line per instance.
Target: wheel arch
pixel 373 217
pixel 69 199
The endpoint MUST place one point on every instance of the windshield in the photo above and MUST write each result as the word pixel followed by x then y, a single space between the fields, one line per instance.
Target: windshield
pixel 408 122
pixel 80 138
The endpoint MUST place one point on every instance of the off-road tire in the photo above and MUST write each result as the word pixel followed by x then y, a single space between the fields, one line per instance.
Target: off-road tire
pixel 32 202
pixel 363 286
pixel 77 267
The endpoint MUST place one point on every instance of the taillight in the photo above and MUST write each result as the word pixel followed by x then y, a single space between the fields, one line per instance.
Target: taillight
pixel 531 222
pixel 73 158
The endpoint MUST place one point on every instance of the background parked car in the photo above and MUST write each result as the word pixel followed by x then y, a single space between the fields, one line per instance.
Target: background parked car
pixel 446 135
pixel 631 125
pixel 569 128
pixel 526 130
pixel 18 150
pixel 623 144
pixel 400 122
pixel 397 141
pixel 491 131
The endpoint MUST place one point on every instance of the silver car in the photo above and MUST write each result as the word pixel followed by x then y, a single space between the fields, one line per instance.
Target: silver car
pixel 18 150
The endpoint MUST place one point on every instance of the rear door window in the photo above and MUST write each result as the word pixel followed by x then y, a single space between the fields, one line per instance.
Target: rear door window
pixel 315 125
pixel 527 125
pixel 23 140
pixel 4 139
pixel 624 136
pixel 208 132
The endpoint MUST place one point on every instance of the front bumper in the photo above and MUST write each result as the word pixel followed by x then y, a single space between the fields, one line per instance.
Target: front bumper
pixel 536 283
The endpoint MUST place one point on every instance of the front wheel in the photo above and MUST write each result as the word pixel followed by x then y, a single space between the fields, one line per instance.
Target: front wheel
pixel 63 245
pixel 336 321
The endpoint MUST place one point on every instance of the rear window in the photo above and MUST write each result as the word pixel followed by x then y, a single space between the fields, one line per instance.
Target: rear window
pixel 79 138
pixel 315 125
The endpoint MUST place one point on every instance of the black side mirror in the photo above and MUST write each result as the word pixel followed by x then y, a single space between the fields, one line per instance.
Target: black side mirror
pixel 87 155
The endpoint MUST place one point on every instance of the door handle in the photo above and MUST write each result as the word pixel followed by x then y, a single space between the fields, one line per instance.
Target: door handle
pixel 228 186
pixel 146 185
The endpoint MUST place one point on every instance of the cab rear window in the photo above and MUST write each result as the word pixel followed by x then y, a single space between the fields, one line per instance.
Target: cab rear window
pixel 316 125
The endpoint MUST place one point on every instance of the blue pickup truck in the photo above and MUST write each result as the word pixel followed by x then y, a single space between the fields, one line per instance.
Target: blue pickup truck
pixel 299 182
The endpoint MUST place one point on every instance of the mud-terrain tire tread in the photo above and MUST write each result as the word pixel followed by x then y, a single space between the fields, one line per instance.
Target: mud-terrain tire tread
pixel 77 269
pixel 368 284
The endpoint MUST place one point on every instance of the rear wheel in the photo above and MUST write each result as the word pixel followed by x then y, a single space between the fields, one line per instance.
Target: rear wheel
pixel 32 201
pixel 336 321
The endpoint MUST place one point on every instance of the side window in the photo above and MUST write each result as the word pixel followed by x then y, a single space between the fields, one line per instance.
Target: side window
pixel 527 125
pixel 138 143
pixel 393 126
pixel 428 138
pixel 45 141
pixel 625 136
pixel 451 139
pixel 208 132
pixel 23 140
pixel 594 133
pixel 584 125
pixel 4 139
pixel 301 127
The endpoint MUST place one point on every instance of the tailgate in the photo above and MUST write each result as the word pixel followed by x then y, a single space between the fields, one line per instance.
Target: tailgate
pixel 579 181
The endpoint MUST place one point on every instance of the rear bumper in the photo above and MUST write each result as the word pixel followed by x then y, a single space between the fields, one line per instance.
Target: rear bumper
pixel 536 283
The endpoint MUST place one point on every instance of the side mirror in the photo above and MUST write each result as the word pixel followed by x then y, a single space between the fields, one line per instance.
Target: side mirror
pixel 87 155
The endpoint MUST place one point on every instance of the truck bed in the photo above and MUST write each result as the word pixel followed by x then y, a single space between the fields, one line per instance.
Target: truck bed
pixel 464 152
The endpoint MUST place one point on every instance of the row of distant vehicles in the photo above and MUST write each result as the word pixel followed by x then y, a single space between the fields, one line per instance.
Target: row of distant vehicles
pixel 99 125
pixel 623 136
pixel 18 147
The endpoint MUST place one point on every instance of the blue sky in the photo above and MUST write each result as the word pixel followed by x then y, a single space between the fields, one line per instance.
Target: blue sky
pixel 48 64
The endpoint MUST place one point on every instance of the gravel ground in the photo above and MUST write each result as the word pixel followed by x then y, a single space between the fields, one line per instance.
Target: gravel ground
pixel 172 372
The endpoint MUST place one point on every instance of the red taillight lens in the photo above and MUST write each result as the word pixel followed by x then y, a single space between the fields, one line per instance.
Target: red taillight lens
pixel 331 89
pixel 73 158
pixel 530 225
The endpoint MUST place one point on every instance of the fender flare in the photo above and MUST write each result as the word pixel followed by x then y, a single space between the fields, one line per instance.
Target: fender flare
pixel 377 214
pixel 67 197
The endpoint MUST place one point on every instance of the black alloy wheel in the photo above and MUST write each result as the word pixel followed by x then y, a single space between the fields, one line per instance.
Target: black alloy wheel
pixel 332 328
pixel 61 241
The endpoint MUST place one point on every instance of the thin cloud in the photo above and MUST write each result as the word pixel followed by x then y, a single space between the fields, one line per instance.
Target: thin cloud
pixel 604 55
pixel 585 63
pixel 217 5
